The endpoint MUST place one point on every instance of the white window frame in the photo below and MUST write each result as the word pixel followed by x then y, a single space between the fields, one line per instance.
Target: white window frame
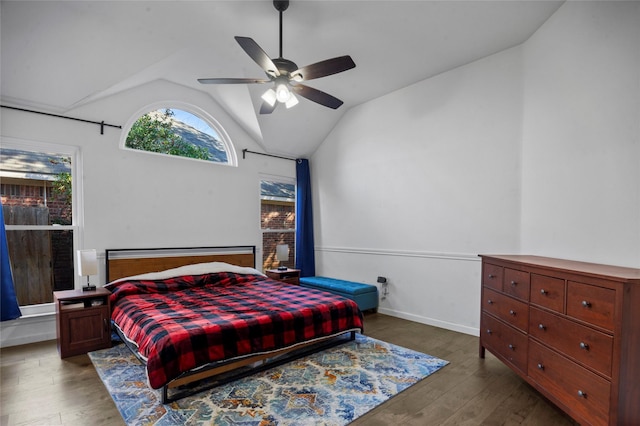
pixel 232 158
pixel 77 210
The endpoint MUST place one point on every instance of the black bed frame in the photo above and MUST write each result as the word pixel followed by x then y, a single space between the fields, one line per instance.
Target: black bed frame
pixel 220 379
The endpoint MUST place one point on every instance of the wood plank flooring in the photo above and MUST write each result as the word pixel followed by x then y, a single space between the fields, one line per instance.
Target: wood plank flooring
pixel 38 388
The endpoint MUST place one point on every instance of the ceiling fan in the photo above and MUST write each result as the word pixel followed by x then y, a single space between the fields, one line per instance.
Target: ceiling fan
pixel 286 75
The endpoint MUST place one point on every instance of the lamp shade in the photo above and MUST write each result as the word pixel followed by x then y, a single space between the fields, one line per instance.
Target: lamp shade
pixel 87 262
pixel 282 252
pixel 270 97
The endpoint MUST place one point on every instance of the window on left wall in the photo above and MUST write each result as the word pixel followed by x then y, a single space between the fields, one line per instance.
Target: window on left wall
pixel 37 189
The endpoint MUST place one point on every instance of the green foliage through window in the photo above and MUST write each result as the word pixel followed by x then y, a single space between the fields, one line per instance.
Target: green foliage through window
pixel 154 133
pixel 176 132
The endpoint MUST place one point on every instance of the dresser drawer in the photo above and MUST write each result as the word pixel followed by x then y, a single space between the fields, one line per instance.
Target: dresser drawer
pixel 585 393
pixel 595 305
pixel 492 276
pixel 547 292
pixel 516 283
pixel 509 310
pixel 584 344
pixel 505 341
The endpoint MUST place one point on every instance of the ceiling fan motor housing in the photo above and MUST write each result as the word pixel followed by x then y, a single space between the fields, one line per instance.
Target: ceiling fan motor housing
pixel 285 66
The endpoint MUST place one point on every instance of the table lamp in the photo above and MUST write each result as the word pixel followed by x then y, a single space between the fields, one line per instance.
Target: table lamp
pixel 87 266
pixel 282 255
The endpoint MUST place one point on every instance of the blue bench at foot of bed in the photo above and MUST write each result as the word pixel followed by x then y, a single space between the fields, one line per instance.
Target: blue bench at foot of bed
pixel 365 295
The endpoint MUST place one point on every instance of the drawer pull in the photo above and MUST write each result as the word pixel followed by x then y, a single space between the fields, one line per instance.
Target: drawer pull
pixel 586 304
pixel 513 348
pixel 513 283
pixel 491 276
pixel 489 331
pixel 540 366
pixel 582 394
pixel 543 292
pixel 512 312
pixel 584 346
pixel 490 302
pixel 542 327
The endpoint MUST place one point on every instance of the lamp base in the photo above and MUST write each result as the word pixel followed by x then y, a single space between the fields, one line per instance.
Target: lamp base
pixel 89 288
pixel 282 268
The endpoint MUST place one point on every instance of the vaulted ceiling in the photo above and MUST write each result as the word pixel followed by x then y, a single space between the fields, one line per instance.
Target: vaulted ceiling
pixel 59 55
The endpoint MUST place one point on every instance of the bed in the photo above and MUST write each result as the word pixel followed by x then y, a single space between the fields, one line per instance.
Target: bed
pixel 206 313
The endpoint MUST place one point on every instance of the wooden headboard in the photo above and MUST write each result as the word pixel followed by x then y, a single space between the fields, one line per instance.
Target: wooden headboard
pixel 127 262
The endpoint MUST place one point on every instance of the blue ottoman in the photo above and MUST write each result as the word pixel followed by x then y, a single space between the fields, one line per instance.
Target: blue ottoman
pixel 365 295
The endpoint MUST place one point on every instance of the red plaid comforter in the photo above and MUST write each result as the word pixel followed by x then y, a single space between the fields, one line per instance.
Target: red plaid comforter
pixel 185 322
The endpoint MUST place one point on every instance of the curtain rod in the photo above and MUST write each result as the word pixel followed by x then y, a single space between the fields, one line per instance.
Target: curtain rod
pixel 244 151
pixel 99 123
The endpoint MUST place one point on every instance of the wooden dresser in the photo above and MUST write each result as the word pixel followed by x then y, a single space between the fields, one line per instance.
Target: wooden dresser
pixel 570 329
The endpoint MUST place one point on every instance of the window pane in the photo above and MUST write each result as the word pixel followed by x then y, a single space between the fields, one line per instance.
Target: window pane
pixel 176 132
pixel 37 186
pixel 41 263
pixel 36 191
pixel 278 205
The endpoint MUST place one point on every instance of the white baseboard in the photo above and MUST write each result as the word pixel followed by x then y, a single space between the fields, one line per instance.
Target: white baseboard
pixel 430 321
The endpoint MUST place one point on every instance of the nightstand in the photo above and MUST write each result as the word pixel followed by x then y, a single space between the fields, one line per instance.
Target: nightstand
pixel 83 321
pixel 290 276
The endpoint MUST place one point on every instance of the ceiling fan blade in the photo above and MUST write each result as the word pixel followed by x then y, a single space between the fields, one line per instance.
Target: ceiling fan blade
pixel 266 108
pixel 317 96
pixel 232 80
pixel 258 55
pixel 324 68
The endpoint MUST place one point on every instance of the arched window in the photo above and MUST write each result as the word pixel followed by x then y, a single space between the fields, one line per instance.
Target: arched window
pixel 182 131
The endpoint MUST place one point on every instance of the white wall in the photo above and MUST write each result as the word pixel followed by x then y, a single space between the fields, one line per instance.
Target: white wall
pixel 413 185
pixel 533 150
pixel 136 200
pixel 581 135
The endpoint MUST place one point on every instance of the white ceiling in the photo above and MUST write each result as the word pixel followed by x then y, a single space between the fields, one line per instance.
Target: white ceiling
pixel 58 55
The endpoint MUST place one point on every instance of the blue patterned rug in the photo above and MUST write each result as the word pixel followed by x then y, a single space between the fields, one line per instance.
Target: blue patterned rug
pixel 331 387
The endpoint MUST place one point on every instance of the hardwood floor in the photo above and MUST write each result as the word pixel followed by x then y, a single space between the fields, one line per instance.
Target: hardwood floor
pixel 38 388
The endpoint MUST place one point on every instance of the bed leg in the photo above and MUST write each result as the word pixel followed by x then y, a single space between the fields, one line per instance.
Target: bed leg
pixel 353 335
pixel 165 394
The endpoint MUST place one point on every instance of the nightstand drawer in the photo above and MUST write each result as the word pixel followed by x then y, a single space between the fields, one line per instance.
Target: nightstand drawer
pixel 290 280
pixel 289 276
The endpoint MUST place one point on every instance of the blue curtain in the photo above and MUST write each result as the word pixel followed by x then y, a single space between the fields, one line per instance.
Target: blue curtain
pixel 9 308
pixel 305 254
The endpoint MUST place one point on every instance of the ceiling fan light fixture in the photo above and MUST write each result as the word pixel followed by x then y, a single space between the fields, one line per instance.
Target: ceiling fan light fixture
pixel 282 93
pixel 270 97
pixel 293 101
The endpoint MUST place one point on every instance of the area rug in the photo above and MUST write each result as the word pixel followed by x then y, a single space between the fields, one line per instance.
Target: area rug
pixel 331 387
